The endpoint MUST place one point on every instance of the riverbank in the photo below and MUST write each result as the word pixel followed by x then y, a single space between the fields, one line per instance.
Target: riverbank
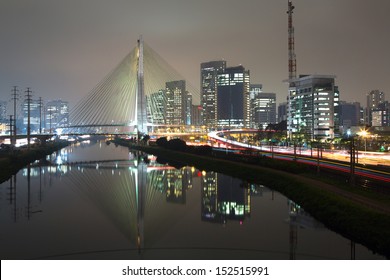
pixel 10 164
pixel 361 218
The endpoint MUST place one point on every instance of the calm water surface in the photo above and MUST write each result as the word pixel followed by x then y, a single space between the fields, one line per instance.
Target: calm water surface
pixel 98 201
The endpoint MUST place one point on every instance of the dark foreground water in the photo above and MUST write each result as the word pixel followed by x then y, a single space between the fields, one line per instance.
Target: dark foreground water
pixel 98 201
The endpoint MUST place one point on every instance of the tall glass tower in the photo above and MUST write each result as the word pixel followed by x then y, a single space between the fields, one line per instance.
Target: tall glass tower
pixel 233 97
pixel 208 85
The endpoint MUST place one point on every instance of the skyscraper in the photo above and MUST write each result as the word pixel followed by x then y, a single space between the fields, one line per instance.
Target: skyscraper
pixel 56 114
pixel 312 107
pixel 374 99
pixel 3 111
pixel 262 107
pixel 179 103
pixel 196 115
pixel 349 114
pixel 156 103
pixel 282 112
pixel 208 84
pixel 35 114
pixel 233 108
pixel 380 115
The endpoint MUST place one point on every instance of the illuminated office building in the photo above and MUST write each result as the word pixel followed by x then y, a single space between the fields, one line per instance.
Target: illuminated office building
pixel 35 114
pixel 208 74
pixel 56 114
pixel 179 103
pixel 380 115
pixel 313 104
pixel 374 99
pixel 262 108
pixel 156 104
pixel 3 111
pixel 233 106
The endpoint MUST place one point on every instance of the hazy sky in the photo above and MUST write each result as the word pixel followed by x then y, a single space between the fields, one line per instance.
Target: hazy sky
pixel 62 49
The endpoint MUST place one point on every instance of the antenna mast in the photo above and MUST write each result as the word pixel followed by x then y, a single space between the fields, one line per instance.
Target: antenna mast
pixel 292 64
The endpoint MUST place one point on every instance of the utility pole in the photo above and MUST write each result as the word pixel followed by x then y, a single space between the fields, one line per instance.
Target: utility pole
pixel 352 162
pixel 50 116
pixel 14 98
pixel 318 158
pixel 28 99
pixel 11 126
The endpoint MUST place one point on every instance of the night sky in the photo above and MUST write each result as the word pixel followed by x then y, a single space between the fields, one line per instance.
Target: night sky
pixel 62 49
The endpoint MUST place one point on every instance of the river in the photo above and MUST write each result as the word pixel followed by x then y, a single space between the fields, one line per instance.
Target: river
pixel 97 201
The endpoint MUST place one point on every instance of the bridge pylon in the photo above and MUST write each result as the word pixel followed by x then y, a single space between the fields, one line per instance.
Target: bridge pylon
pixel 141 116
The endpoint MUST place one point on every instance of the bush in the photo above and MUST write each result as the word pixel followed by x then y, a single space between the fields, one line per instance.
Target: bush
pixel 202 150
pixel 162 142
pixel 177 145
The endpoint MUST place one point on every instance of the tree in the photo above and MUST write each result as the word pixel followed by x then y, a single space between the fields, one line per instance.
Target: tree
pixel 162 142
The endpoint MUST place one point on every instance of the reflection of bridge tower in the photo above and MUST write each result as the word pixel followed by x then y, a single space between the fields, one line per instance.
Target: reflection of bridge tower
pixel 141 118
pixel 141 182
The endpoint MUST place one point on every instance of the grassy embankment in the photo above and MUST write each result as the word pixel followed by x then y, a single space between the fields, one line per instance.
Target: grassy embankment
pixel 356 221
pixel 11 163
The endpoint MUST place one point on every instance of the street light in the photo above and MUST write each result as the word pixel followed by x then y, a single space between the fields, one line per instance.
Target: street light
pixel 364 134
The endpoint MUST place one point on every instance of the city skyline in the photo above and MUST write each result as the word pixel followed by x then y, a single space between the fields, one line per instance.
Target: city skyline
pixel 65 49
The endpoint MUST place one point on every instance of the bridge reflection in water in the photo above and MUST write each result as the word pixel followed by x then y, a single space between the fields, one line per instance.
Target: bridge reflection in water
pixel 129 194
pixel 129 206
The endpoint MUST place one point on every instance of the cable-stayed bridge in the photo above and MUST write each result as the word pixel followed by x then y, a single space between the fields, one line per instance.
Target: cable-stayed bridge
pixel 118 104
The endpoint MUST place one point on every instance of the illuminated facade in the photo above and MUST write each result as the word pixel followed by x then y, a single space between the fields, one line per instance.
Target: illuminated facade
pixel 262 108
pixel 233 106
pixel 155 105
pixel 3 111
pixel 208 84
pixel 380 115
pixel 35 114
pixel 374 99
pixel 178 182
pixel 224 198
pixel 56 114
pixel 179 103
pixel 313 104
pixel 209 207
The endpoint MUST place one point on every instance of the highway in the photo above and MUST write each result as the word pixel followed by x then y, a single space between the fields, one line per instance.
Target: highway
pixel 332 159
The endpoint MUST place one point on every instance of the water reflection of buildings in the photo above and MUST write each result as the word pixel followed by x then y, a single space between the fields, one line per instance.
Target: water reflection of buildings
pixel 224 198
pixel 174 183
pixel 178 182
pixel 300 218
pixel 127 190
